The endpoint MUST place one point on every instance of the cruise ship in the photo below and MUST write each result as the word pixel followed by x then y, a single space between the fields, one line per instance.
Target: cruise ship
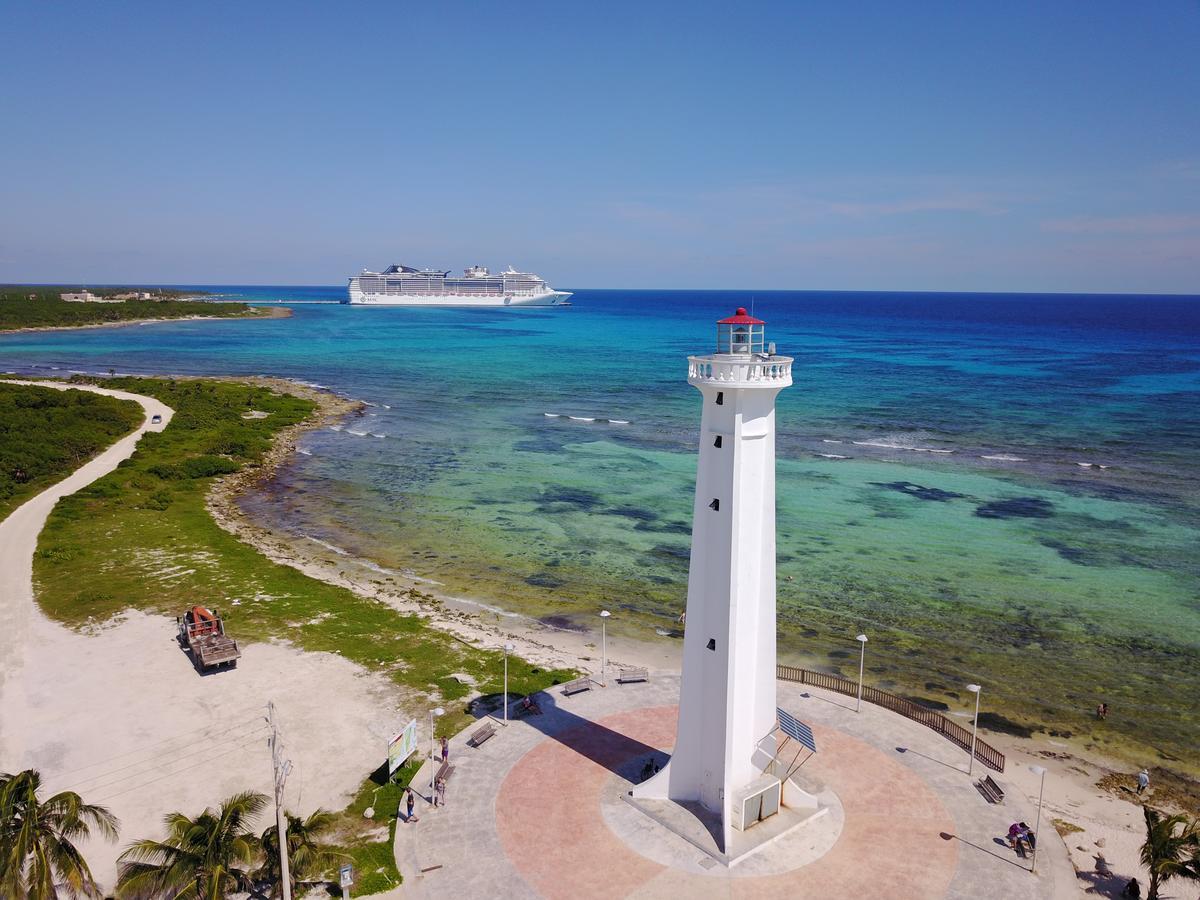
pixel 406 286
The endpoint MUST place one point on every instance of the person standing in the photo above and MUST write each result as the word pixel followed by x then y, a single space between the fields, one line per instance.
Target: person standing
pixel 411 802
pixel 441 792
pixel 445 750
pixel 1143 780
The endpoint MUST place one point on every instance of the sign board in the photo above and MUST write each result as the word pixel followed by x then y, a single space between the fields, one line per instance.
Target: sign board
pixel 401 747
pixel 346 876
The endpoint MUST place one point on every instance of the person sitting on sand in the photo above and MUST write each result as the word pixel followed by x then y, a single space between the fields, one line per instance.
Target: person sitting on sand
pixel 1133 890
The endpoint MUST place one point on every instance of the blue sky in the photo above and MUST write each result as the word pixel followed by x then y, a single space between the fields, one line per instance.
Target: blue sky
pixel 854 146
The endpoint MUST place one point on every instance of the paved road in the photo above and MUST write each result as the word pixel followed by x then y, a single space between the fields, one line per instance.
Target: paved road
pixel 18 541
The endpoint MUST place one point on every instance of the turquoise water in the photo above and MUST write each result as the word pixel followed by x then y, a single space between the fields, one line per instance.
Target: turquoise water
pixel 1051 554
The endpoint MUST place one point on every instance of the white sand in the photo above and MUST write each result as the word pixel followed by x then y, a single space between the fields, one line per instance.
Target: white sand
pixel 122 716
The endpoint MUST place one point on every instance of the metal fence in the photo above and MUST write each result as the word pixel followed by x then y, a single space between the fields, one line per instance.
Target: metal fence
pixel 952 731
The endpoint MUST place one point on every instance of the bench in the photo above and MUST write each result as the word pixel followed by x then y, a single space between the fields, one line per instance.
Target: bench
pixel 992 791
pixel 628 675
pixel 479 735
pixel 444 772
pixel 576 686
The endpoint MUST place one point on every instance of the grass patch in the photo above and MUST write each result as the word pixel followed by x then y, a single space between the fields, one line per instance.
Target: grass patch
pixel 364 840
pixel 141 537
pixel 1064 828
pixel 45 434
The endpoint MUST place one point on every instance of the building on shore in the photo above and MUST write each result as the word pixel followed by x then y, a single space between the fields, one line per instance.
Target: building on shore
pixel 89 297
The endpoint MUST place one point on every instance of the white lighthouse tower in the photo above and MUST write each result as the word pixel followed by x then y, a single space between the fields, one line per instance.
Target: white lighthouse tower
pixel 727 694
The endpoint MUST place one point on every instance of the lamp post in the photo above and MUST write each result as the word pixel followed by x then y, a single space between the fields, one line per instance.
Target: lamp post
pixel 433 713
pixel 862 659
pixel 604 614
pixel 1041 772
pixel 974 689
pixel 508 648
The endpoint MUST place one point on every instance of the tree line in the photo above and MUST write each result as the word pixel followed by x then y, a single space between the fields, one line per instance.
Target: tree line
pixel 205 857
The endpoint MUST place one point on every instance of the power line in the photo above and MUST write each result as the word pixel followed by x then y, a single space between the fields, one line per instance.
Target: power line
pixel 146 747
pixel 135 787
pixel 140 768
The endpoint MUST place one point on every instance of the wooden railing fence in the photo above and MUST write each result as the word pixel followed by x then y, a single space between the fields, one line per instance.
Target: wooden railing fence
pixel 952 731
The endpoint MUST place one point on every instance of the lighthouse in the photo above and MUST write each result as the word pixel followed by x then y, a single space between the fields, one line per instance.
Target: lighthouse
pixel 727 691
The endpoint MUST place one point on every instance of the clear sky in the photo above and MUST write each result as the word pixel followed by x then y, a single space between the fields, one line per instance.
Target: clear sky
pixel 836 145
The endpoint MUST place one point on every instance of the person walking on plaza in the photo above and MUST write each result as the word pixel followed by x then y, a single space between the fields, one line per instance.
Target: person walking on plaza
pixel 445 750
pixel 440 796
pixel 1143 779
pixel 411 802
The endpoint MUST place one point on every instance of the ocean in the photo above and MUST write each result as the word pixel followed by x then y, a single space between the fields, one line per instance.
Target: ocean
pixel 996 488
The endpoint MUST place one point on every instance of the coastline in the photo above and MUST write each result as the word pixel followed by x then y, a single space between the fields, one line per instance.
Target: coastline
pixel 1105 826
pixel 273 312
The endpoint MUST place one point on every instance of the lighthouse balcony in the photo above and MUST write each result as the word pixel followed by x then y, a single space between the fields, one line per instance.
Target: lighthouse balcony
pixel 757 371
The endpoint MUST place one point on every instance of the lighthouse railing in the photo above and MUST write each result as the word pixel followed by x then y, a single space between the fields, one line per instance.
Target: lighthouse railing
pixel 759 370
pixel 952 731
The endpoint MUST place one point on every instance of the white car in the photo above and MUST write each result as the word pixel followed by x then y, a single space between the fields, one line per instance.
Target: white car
pixel 156 419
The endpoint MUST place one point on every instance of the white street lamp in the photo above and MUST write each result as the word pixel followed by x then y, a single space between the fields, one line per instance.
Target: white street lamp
pixel 433 713
pixel 1040 771
pixel 862 659
pixel 604 614
pixel 508 648
pixel 974 689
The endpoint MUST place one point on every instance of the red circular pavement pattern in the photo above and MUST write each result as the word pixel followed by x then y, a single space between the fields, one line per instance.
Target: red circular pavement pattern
pixel 548 816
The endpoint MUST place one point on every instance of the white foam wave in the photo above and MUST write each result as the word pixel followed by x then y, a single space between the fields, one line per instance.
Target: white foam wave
pixel 305 452
pixel 829 441
pixel 1087 465
pixel 581 419
pixel 1004 457
pixel 832 456
pixel 373 434
pixel 328 546
pixel 618 421
pixel 892 445
pixel 356 433
pixel 335 427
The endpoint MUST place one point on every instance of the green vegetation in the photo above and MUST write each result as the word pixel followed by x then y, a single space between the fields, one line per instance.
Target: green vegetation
pixel 1171 849
pixel 309 859
pixel 368 842
pixel 206 858
pixel 110 547
pixel 38 856
pixel 46 434
pixel 42 307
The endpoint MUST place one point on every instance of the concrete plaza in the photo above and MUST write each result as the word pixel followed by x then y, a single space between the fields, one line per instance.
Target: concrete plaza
pixel 539 810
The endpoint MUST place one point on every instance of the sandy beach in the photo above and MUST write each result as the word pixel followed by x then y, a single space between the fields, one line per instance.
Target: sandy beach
pixel 119 714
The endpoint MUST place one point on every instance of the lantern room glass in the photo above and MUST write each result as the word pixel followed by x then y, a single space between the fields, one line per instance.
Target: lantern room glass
pixel 741 339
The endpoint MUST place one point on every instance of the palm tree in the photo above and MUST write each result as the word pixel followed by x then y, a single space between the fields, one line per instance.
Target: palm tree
pixel 308 859
pixel 1168 838
pixel 203 858
pixel 38 856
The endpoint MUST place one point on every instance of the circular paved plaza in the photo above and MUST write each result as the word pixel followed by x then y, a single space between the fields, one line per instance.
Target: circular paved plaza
pixel 540 810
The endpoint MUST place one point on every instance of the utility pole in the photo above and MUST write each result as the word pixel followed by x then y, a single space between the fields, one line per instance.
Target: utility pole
pixel 281 768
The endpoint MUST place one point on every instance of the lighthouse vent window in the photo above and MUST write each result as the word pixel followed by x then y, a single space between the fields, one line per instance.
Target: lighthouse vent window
pixel 715 505
pixel 717 441
pixel 720 398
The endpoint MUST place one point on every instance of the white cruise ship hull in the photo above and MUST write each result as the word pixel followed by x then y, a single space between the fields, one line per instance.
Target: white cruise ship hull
pixel 546 298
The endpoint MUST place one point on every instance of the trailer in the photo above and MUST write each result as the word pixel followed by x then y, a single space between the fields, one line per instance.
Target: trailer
pixel 202 632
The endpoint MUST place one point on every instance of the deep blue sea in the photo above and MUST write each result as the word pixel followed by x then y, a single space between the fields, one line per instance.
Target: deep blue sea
pixel 997 488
